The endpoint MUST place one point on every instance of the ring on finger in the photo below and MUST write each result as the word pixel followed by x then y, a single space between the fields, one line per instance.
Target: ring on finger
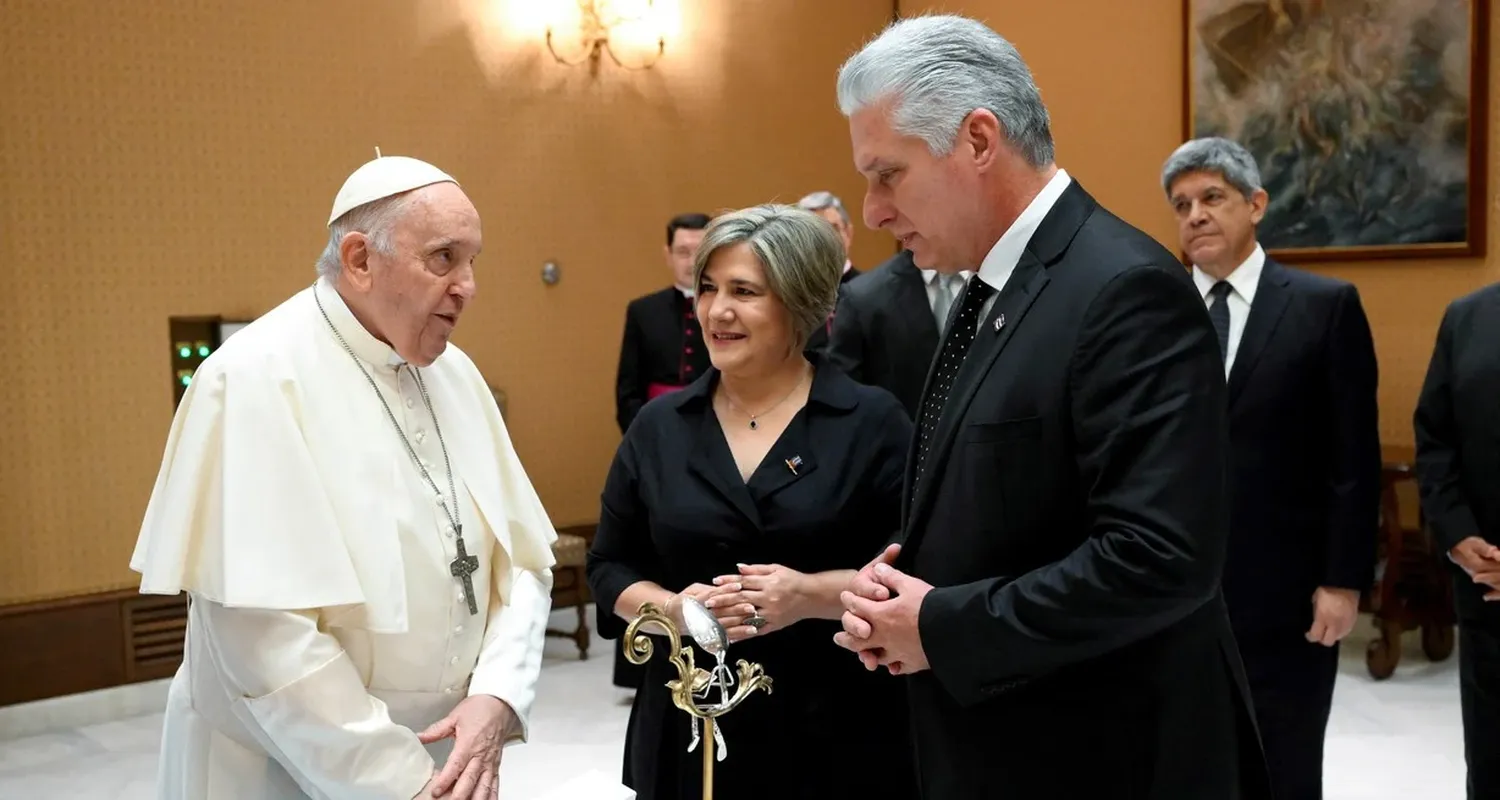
pixel 756 621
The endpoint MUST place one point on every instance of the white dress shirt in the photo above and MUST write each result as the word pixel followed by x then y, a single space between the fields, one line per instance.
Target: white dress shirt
pixel 956 282
pixel 1242 283
pixel 1003 257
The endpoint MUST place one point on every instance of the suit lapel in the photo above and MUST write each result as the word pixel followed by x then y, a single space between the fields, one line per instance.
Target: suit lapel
pixel 1270 304
pixel 789 460
pixel 1009 310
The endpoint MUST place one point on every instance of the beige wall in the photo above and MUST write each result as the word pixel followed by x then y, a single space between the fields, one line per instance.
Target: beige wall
pixel 179 158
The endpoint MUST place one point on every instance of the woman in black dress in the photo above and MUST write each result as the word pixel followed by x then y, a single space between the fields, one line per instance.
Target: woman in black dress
pixel 759 490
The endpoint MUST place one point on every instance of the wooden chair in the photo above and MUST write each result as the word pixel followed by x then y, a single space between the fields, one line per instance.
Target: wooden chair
pixel 570 589
pixel 1412 590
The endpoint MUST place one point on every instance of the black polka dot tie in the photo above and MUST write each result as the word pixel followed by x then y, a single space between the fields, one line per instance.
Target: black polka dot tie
pixel 955 347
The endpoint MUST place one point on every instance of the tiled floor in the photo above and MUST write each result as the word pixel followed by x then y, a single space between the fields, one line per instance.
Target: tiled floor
pixel 1391 740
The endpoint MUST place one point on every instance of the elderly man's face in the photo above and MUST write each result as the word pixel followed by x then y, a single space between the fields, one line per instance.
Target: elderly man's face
pixel 746 326
pixel 415 295
pixel 1215 221
pixel 930 204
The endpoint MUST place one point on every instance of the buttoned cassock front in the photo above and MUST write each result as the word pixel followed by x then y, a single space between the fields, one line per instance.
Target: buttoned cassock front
pixel 326 627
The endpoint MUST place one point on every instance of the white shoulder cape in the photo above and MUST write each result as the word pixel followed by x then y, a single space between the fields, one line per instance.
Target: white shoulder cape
pixel 273 489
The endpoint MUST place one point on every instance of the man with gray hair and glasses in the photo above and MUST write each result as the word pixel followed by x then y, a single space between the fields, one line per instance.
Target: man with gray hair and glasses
pixel 1304 464
pixel 1053 594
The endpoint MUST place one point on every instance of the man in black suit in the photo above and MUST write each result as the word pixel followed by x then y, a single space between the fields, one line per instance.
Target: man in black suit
pixel 1304 435
pixel 828 206
pixel 1054 595
pixel 888 323
pixel 662 349
pixel 1458 470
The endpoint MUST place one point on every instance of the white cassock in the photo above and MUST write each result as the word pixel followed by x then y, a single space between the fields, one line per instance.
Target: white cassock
pixel 326 627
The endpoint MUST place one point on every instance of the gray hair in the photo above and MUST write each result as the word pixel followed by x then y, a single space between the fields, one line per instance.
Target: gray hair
pixel 802 256
pixel 1228 158
pixel 817 201
pixel 938 69
pixel 376 219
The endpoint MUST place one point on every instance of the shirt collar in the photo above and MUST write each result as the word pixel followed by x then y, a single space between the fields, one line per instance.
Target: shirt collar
pixel 1003 257
pixel 1243 279
pixel 361 341
pixel 928 275
pixel 688 293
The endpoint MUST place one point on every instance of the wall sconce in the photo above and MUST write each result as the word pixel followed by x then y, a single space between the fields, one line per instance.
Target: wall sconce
pixel 598 19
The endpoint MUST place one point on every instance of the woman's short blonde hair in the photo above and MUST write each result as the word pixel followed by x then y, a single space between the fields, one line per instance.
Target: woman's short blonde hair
pixel 803 258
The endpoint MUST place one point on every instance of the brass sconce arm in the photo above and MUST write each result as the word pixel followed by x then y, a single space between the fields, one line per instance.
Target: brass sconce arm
pixel 594 26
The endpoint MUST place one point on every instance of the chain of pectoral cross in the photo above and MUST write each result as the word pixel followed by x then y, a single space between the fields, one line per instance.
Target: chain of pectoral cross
pixel 463 565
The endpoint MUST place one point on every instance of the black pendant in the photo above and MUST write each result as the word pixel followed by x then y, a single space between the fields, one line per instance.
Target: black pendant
pixel 754 425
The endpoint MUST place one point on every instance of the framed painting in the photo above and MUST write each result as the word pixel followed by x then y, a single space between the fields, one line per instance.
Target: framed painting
pixel 1366 117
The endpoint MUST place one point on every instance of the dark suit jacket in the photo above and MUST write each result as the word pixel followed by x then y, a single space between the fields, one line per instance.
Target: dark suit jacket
pixel 884 333
pixel 1304 453
pixel 817 343
pixel 662 344
pixel 1458 438
pixel 1074 518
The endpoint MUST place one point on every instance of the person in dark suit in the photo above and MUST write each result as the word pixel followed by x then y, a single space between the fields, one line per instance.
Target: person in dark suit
pixel 662 349
pixel 1304 434
pixel 758 490
pixel 888 323
pixel 1458 471
pixel 828 206
pixel 1054 594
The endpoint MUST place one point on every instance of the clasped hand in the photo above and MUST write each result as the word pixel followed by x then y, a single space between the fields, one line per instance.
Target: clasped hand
pixel 772 592
pixel 1481 561
pixel 479 725
pixel 882 606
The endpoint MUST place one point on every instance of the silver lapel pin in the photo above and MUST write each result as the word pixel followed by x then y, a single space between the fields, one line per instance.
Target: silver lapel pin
pixel 999 323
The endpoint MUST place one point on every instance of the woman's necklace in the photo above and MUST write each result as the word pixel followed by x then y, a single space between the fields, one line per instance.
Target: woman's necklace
pixel 754 425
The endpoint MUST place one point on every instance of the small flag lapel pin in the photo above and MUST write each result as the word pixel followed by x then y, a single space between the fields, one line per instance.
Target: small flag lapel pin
pixel 793 463
pixel 999 323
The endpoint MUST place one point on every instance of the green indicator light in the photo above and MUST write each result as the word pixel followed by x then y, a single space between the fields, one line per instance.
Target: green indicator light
pixel 203 350
pixel 185 352
pixel 187 379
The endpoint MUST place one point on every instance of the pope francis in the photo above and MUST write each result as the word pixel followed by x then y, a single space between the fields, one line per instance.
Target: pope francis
pixel 368 567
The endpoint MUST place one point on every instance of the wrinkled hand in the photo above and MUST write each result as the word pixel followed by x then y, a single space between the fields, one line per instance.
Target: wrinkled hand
pixel 1481 560
pixel 1334 613
pixel 777 592
pixel 885 631
pixel 479 726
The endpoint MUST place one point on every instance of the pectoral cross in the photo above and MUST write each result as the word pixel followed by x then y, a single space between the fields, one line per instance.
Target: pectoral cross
pixel 463 567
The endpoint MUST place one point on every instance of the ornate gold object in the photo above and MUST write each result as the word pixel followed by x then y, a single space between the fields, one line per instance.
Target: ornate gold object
pixel 597 20
pixel 694 681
